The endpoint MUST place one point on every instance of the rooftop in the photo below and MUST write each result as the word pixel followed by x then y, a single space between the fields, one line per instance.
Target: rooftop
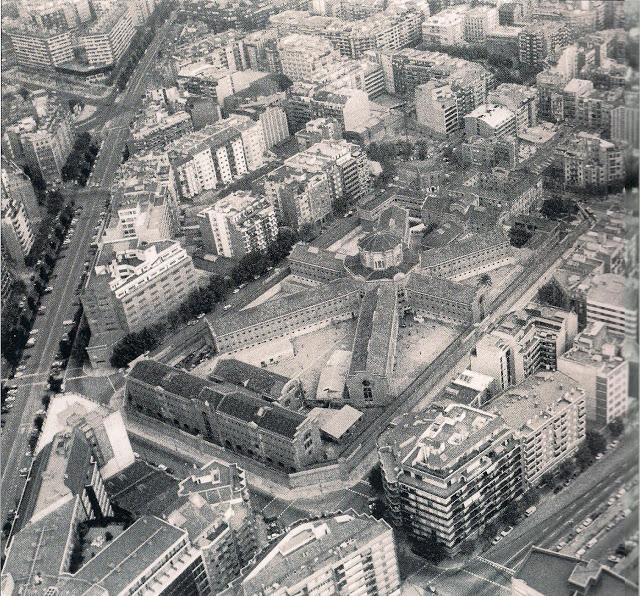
pixel 437 286
pixel 613 290
pixel 492 114
pixel 556 574
pixel 336 423
pixel 463 247
pixel 311 255
pixel 374 332
pixel 260 381
pixel 531 404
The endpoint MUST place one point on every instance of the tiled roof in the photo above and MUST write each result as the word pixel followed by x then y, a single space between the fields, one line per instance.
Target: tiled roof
pixel 303 253
pixel 378 242
pixel 251 377
pixel 436 286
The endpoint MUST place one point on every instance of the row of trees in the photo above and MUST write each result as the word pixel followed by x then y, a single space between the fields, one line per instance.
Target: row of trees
pixel 203 300
pixel 80 161
pixel 553 294
pixel 141 40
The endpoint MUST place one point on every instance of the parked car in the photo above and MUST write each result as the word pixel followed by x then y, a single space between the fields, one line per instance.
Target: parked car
pixel 507 531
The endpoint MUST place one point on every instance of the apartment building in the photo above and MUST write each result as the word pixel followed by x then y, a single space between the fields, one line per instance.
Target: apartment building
pixel 222 50
pixel 502 41
pixel 106 39
pixel 586 160
pixel 238 224
pixel 301 55
pixel 374 347
pixel 351 553
pixel 547 413
pixel 158 129
pixel 40 48
pixel 437 108
pixel 536 41
pixel 132 287
pixel 625 121
pixel 345 164
pixel 17 231
pixel 445 28
pixel 318 130
pixel 313 265
pixel 479 21
pixel 299 197
pixel 468 257
pixel 521 100
pixel 350 107
pixel 215 510
pixel 271 117
pixel 286 317
pixel 612 299
pixel 490 120
pixel 7 277
pixel 449 471
pixel 42 142
pixel 235 418
pixel 596 362
pixel 444 300
pixel 523 343
pixel 144 201
pixel 18 186
pixel 469 388
pixel 390 30
pixel 217 155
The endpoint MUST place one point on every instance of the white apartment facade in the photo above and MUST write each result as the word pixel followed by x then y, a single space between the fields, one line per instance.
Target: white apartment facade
pixel 109 37
pixel 17 234
pixel 437 108
pixel 445 28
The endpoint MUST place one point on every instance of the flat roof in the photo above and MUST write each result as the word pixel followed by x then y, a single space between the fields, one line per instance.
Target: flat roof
pixel 336 423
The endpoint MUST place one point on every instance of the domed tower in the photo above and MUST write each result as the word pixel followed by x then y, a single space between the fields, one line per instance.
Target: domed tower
pixel 380 250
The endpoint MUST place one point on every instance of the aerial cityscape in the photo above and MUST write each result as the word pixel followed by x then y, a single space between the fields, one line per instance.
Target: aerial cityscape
pixel 315 297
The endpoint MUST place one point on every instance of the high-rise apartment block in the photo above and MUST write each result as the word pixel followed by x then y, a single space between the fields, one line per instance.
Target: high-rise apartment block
pixel 108 37
pixel 547 413
pixel 346 553
pixel 318 130
pixel 613 300
pixel 158 129
pixel 445 28
pixel 42 142
pixel 238 224
pixel 216 155
pixel 271 117
pixel 132 287
pixel 479 21
pixel 596 362
pixel 490 120
pixel 437 108
pixel 345 164
pixel 537 41
pixel 17 232
pixel 299 197
pixel 40 48
pixel 301 55
pixel 18 186
pixel 521 100
pixel 449 471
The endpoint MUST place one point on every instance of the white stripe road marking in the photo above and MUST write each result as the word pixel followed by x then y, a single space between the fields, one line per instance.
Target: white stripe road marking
pixel 487 580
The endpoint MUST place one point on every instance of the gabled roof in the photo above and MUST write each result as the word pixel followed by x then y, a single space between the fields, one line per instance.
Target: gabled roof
pixel 258 380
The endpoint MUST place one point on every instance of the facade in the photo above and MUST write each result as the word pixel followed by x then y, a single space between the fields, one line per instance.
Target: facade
pixel 437 108
pixel 271 117
pixel 351 554
pixel 300 197
pixel 446 28
pixel 612 300
pixel 235 418
pixel 468 258
pixel 547 413
pixel 41 48
pixel 106 40
pixel 16 184
pixel 596 362
pixel 43 143
pixel 350 107
pixel 17 232
pixel 216 155
pixel 521 100
pixel 449 471
pixel 444 300
pixel 374 347
pixel 133 287
pixel 479 21
pixel 301 55
pixel 318 130
pixel 287 317
pixel 238 224
pixel 345 164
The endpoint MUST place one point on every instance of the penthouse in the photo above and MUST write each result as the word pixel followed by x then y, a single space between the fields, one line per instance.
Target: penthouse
pixel 436 461
pixel 468 257
pixel 225 414
pixel 292 315
pixel 547 413
pixel 444 300
pixel 374 347
pixel 314 265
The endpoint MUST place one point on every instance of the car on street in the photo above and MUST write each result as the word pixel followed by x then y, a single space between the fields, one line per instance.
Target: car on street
pixel 581 552
pixel 587 522
pixel 24 472
pixel 507 531
pixel 497 539
pixel 561 545
pixel 531 510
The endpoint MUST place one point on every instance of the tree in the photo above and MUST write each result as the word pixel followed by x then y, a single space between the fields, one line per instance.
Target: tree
pixel 553 294
pixel 485 280
pixel 512 513
pixel 340 206
pixel 584 457
pixel 429 548
pixel 549 479
pixel 375 479
pixel 616 427
pixel 108 536
pixel 556 207
pixel 489 532
pixel 531 497
pixel 596 442
pixel 519 236
pixel 566 470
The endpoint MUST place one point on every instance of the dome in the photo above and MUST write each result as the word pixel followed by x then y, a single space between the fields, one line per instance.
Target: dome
pixel 378 242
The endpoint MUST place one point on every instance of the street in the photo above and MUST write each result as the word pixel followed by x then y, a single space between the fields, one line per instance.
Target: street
pixel 15 435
